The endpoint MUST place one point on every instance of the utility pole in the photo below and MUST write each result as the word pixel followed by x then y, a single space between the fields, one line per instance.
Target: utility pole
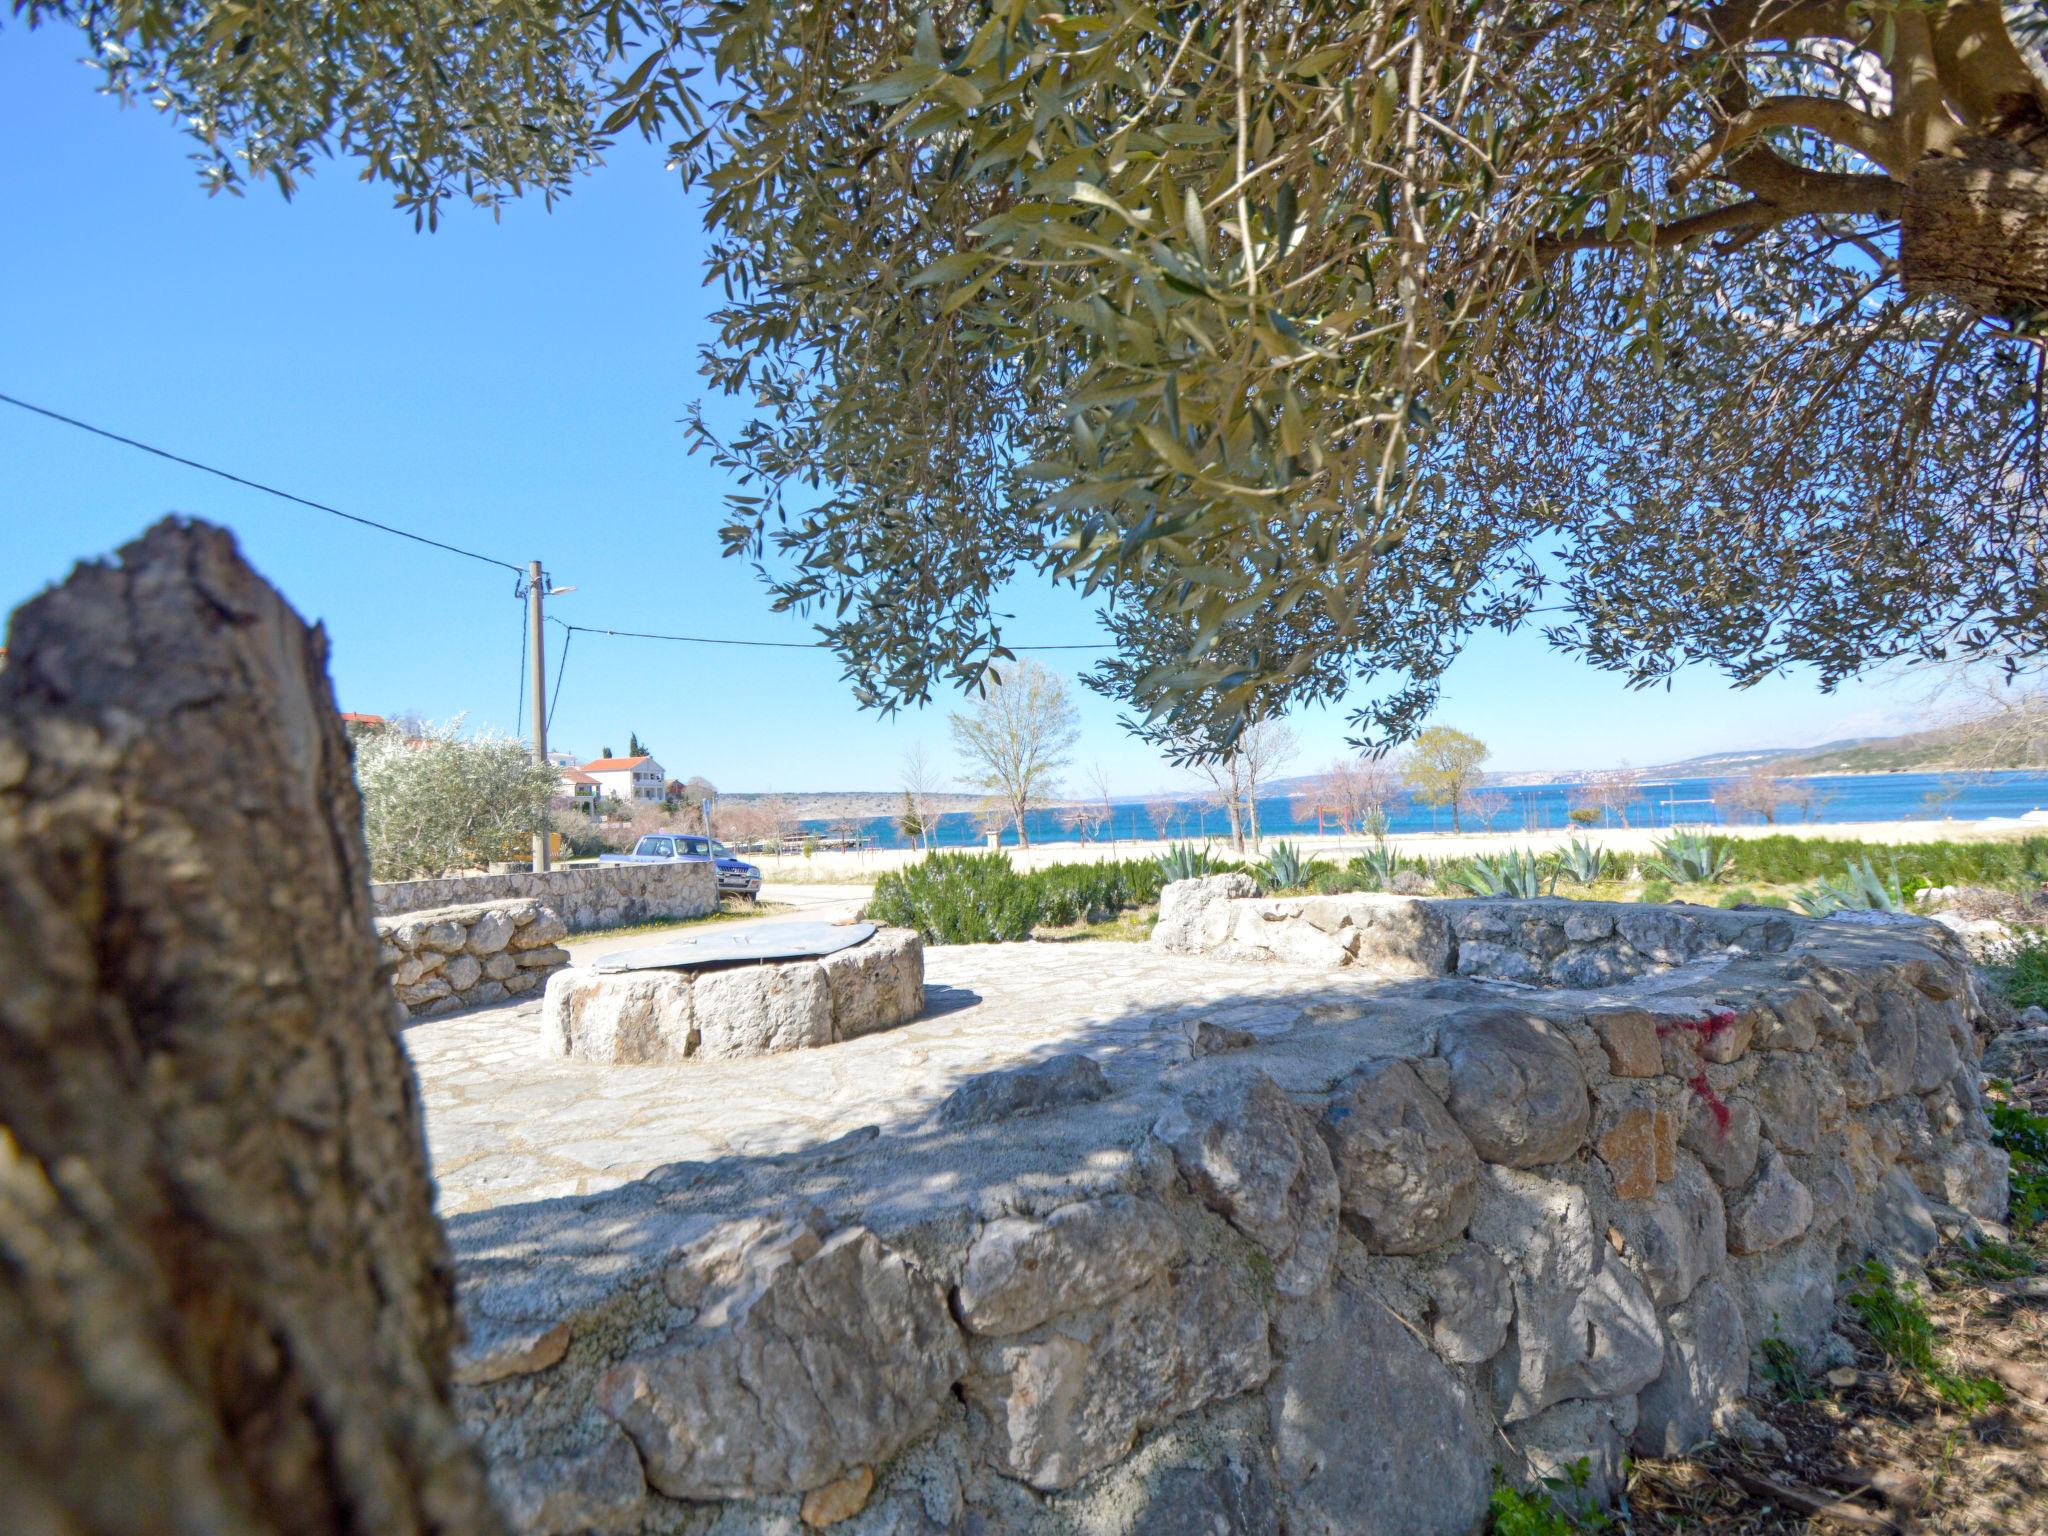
pixel 537 660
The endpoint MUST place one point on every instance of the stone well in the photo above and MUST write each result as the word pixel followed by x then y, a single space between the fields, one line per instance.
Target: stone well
pixel 638 1014
pixel 1518 1183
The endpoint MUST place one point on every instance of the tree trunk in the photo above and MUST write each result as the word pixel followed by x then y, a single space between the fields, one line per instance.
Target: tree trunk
pixel 1023 835
pixel 1975 226
pixel 224 1298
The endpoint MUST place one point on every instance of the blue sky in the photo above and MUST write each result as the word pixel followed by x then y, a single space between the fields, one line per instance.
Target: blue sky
pixel 515 386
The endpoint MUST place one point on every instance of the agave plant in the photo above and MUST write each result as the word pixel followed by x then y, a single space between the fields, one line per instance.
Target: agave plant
pixel 1285 869
pixel 1183 861
pixel 1376 866
pixel 1691 858
pixel 1581 863
pixel 1859 890
pixel 1520 874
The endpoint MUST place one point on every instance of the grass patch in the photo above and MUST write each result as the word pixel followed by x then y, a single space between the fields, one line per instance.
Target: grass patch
pixel 1899 1326
pixel 1989 1259
pixel 2021 972
pixel 2024 1135
pixel 1557 1506
pixel 1133 927
pixel 730 909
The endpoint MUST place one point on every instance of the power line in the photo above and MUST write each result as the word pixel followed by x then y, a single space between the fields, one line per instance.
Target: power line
pixel 778 645
pixel 254 485
pixel 453 549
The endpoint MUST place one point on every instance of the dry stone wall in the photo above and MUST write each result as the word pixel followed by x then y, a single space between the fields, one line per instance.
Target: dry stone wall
pixel 584 897
pixel 447 958
pixel 1322 1280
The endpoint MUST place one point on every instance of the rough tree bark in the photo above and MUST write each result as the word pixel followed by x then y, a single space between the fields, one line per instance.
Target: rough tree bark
pixel 1975 226
pixel 224 1298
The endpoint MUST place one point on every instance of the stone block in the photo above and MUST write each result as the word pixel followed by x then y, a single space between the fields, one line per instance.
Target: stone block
pixel 1629 1037
pixel 491 932
pixel 544 928
pixel 637 1017
pixel 759 1010
pixel 1072 1398
pixel 1256 1158
pixel 1772 1209
pixel 1021 1272
pixel 877 984
pixel 1069 1078
pixel 1372 1434
pixel 1516 1086
pixel 1407 1176
pixel 820 1365
pixel 1706 1368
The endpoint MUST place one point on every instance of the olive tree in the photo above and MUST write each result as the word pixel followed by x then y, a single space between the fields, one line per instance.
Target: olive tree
pixel 448 801
pixel 1692 332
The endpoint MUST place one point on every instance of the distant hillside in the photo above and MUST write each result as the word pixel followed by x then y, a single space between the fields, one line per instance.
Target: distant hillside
pixel 856 804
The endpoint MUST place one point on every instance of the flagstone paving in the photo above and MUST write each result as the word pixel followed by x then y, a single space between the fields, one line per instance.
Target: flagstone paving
pixel 505 1124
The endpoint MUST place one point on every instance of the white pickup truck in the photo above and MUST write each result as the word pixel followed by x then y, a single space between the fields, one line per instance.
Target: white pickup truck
pixel 735 876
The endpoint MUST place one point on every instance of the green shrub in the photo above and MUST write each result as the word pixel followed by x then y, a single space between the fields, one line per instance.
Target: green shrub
pixel 1783 859
pixel 1331 881
pixel 1558 1506
pixel 981 898
pixel 1656 890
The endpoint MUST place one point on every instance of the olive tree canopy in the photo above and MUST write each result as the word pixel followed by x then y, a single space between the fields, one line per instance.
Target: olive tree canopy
pixel 1316 335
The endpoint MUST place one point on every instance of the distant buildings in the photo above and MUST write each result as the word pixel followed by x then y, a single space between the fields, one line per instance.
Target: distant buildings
pixel 627 778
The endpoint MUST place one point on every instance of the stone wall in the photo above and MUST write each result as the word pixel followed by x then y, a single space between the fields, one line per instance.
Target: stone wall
pixel 447 958
pixel 1321 1279
pixel 585 897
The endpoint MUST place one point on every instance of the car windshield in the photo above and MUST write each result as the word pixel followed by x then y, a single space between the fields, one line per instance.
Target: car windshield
pixel 694 846
pixel 721 850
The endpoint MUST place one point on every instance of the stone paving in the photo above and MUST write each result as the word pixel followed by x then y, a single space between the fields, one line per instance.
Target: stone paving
pixel 505 1124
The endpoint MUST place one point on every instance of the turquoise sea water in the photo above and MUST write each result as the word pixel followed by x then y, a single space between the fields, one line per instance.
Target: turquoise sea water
pixel 1838 798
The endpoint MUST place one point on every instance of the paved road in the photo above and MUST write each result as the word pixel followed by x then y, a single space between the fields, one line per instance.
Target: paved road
pixel 808 903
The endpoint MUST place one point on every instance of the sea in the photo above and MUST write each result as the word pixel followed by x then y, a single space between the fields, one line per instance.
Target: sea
pixel 1521 808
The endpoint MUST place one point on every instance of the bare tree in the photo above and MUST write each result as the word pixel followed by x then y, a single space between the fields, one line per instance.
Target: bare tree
pixel 1102 810
pixel 1486 805
pixel 1757 793
pixel 1164 812
pixel 1018 737
pixel 1266 747
pixel 921 783
pixel 1225 779
pixel 1610 793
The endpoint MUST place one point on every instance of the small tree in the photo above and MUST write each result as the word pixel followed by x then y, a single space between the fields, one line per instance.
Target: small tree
pixel 1018 737
pixel 1487 805
pixel 1760 795
pixel 1609 794
pixel 911 822
pixel 921 783
pixel 447 801
pixel 1442 768
pixel 1164 812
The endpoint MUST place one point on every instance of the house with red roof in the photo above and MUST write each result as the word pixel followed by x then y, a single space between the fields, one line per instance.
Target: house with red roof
pixel 629 778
